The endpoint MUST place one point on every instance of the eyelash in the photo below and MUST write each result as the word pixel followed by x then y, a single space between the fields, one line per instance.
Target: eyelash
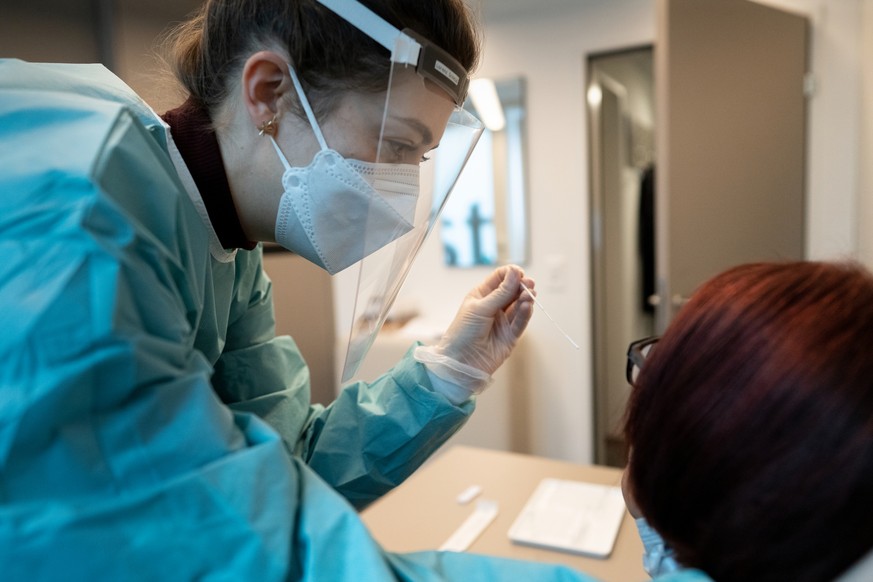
pixel 400 148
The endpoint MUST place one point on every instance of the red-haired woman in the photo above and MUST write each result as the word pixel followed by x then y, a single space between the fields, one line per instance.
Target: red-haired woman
pixel 751 426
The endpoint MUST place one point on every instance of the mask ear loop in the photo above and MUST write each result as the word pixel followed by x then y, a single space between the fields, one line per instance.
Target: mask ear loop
pixel 269 127
pixel 282 157
pixel 305 103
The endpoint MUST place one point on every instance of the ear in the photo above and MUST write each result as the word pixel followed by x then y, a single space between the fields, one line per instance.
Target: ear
pixel 264 80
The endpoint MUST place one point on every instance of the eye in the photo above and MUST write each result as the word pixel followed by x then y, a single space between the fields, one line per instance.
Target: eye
pixel 404 153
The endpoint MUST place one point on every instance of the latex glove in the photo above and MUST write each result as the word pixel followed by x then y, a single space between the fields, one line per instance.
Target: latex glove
pixel 485 330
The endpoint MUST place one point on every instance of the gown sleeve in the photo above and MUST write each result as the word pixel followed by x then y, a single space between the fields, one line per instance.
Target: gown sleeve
pixel 117 461
pixel 368 440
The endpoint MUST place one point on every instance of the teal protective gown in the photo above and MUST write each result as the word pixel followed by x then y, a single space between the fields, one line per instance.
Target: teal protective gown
pixel 152 427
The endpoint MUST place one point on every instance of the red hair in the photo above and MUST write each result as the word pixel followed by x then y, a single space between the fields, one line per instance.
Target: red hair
pixel 751 424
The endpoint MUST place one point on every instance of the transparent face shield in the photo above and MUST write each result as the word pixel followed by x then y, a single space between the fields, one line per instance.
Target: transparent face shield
pixel 422 139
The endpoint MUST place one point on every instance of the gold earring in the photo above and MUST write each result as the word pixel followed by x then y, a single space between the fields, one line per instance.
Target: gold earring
pixel 268 127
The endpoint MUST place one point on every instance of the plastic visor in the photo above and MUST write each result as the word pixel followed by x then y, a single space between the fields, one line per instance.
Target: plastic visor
pixel 418 115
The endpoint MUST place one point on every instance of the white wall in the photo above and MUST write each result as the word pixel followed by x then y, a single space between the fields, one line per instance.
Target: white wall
pixel 548 46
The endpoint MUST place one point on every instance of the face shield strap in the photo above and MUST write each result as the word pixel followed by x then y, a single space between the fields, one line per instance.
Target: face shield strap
pixel 407 47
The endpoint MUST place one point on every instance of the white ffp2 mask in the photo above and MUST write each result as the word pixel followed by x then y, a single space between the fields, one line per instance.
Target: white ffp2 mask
pixel 334 212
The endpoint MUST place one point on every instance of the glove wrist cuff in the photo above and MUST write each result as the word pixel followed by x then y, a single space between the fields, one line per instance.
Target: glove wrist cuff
pixel 471 379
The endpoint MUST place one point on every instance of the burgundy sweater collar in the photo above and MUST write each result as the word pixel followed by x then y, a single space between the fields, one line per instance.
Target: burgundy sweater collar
pixel 193 134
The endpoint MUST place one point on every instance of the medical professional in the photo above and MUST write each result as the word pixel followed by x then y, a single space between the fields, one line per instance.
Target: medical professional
pixel 152 426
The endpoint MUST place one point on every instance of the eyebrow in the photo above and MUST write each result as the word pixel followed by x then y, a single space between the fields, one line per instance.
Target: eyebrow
pixel 426 135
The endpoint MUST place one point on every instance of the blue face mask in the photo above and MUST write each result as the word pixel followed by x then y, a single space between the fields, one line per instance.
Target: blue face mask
pixel 658 559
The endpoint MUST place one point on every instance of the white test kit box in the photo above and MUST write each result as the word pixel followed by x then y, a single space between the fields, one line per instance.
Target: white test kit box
pixel 571 516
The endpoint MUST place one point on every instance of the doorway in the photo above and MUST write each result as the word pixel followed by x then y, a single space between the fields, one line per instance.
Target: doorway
pixel 621 106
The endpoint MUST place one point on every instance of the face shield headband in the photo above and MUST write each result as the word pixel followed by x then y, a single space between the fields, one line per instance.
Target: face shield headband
pixel 407 48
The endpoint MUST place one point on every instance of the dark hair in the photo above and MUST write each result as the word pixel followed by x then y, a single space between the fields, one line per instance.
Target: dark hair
pixel 751 424
pixel 329 54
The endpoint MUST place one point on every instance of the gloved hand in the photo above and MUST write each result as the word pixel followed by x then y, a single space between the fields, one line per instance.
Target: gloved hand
pixel 485 330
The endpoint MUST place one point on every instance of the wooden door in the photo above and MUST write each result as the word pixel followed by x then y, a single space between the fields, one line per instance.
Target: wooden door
pixel 731 118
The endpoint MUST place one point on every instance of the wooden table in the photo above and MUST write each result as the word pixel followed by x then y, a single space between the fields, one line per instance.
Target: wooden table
pixel 423 512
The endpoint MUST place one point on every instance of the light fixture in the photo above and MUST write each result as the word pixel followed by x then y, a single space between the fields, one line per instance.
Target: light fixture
pixel 595 95
pixel 483 93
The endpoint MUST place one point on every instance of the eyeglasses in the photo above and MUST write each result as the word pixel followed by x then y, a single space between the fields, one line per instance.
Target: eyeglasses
pixel 637 352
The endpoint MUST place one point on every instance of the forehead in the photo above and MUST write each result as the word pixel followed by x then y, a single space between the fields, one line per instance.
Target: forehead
pixel 411 101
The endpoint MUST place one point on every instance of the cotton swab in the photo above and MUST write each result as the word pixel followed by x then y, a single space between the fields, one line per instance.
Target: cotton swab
pixel 540 305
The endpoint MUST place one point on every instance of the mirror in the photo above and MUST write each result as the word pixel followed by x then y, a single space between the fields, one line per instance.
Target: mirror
pixel 621 117
pixel 484 221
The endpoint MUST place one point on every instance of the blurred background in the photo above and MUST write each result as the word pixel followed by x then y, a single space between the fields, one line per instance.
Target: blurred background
pixel 595 95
